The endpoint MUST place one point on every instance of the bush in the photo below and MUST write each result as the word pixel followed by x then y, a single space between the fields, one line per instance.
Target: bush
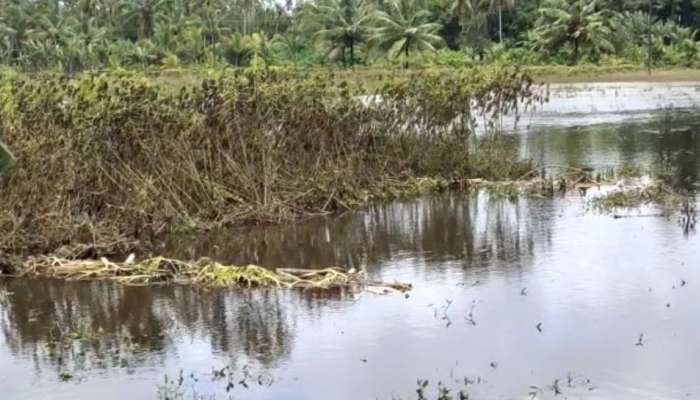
pixel 114 155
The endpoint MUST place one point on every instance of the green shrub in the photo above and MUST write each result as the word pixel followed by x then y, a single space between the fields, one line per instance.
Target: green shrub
pixel 121 154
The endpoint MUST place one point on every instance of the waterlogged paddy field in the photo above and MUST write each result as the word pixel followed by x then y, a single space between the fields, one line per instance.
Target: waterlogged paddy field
pixel 511 300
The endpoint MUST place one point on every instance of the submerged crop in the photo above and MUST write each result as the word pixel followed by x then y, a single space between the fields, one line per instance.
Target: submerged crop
pixel 108 157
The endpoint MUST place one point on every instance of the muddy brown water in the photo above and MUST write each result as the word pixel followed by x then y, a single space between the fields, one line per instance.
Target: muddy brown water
pixel 518 297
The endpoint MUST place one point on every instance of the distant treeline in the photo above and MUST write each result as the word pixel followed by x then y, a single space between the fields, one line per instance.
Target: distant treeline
pixel 74 35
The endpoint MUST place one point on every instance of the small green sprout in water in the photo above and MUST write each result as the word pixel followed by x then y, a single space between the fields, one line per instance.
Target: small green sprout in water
pixel 443 393
pixel 65 376
pixel 171 389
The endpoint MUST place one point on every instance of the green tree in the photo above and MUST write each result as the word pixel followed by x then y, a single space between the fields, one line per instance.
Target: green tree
pixel 16 26
pixel 291 46
pixel 403 26
pixel 342 26
pixel 247 9
pixel 577 23
pixel 143 15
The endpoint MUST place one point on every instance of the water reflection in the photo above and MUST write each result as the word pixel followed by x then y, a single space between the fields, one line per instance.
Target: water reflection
pixel 83 326
pixel 119 327
pixel 474 229
pixel 667 143
pixel 475 253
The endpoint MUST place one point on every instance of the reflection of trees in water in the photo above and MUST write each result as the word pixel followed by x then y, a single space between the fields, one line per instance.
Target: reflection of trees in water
pixel 128 326
pixel 77 326
pixel 254 323
pixel 303 245
pixel 668 141
pixel 474 228
pixel 677 146
pixel 86 325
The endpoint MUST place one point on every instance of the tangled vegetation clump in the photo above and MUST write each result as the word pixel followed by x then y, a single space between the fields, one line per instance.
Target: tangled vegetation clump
pixel 204 272
pixel 657 193
pixel 112 158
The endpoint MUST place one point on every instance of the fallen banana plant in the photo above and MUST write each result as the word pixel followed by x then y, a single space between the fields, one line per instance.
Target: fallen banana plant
pixel 204 272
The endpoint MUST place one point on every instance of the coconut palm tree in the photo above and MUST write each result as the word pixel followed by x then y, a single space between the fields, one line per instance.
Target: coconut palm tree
pixel 16 27
pixel 473 22
pixel 578 23
pixel 463 9
pixel 404 26
pixel 247 7
pixel 341 24
pixel 291 45
pixel 239 49
pixel 143 14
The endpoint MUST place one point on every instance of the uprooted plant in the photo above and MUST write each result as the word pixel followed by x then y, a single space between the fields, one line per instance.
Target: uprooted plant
pixel 654 193
pixel 204 272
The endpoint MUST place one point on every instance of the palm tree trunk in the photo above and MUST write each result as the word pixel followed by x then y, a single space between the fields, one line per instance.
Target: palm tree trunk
pixel 649 39
pixel 352 53
pixel 405 65
pixel 500 24
pixel 575 51
pixel 147 19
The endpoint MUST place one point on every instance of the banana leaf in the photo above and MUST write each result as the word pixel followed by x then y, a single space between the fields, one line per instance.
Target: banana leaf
pixel 6 158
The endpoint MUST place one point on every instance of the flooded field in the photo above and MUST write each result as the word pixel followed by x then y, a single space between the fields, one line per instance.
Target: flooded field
pixel 512 299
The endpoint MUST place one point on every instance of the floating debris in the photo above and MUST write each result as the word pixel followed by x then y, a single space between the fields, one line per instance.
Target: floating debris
pixel 204 272
pixel 632 196
pixel 556 388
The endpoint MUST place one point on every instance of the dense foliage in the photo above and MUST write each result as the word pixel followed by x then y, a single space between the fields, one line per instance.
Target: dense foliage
pixel 73 35
pixel 112 155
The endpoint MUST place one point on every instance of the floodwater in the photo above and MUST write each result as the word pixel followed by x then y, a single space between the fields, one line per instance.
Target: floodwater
pixel 512 300
pixel 596 103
